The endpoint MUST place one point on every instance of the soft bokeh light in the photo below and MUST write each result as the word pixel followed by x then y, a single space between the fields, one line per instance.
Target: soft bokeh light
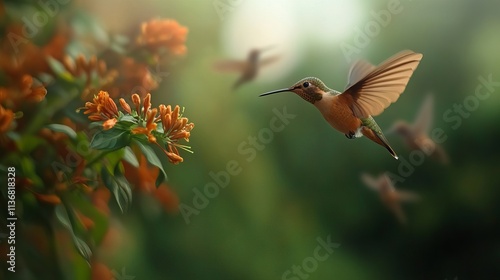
pixel 327 21
pixel 262 24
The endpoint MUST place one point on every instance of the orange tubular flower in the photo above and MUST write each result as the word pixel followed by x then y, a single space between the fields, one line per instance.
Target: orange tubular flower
pixel 109 124
pixel 136 99
pixel 125 106
pixel 147 104
pixel 150 126
pixel 163 33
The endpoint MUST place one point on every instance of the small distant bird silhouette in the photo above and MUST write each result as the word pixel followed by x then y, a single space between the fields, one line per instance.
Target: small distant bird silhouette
pixel 248 68
pixel 389 196
pixel 369 91
pixel 416 135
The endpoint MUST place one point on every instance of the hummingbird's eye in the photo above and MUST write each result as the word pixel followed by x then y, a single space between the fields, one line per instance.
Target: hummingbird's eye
pixel 305 84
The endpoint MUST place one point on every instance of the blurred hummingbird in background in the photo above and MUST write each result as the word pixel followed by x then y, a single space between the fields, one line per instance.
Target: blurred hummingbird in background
pixel 247 68
pixel 416 135
pixel 389 196
pixel 369 91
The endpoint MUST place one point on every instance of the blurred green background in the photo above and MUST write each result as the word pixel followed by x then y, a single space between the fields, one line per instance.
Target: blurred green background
pixel 305 183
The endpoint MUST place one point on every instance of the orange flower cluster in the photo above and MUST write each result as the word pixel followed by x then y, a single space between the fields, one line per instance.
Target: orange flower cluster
pixel 87 67
pixel 20 56
pixel 20 90
pixel 163 33
pixel 175 127
pixel 20 61
pixel 103 108
pixel 135 77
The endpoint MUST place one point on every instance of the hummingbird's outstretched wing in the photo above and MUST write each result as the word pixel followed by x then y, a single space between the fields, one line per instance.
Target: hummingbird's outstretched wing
pixel 381 86
pixel 423 121
pixel 230 66
pixel 268 60
pixel 358 71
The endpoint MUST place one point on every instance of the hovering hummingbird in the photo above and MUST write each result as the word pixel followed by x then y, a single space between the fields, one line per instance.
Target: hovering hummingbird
pixel 388 195
pixel 368 92
pixel 416 135
pixel 248 68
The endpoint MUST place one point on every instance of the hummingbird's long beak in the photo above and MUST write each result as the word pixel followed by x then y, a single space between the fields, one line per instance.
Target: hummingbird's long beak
pixel 275 91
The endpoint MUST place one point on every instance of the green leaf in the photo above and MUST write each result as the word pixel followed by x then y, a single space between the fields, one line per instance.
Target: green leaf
pixel 119 186
pixel 124 191
pixel 151 156
pixel 110 139
pixel 112 159
pixel 128 118
pixel 27 143
pixel 94 125
pixel 63 217
pixel 130 157
pixel 28 168
pixel 59 69
pixel 63 129
pixel 83 248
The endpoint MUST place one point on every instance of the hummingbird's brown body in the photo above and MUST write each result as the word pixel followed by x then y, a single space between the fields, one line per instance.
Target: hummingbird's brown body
pixel 338 113
pixel 369 91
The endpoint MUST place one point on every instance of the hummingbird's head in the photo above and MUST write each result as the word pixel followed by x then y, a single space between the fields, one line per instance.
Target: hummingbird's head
pixel 311 89
pixel 254 54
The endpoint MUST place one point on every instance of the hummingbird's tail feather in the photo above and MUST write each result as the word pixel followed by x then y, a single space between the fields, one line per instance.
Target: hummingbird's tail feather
pixel 371 130
pixel 379 139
